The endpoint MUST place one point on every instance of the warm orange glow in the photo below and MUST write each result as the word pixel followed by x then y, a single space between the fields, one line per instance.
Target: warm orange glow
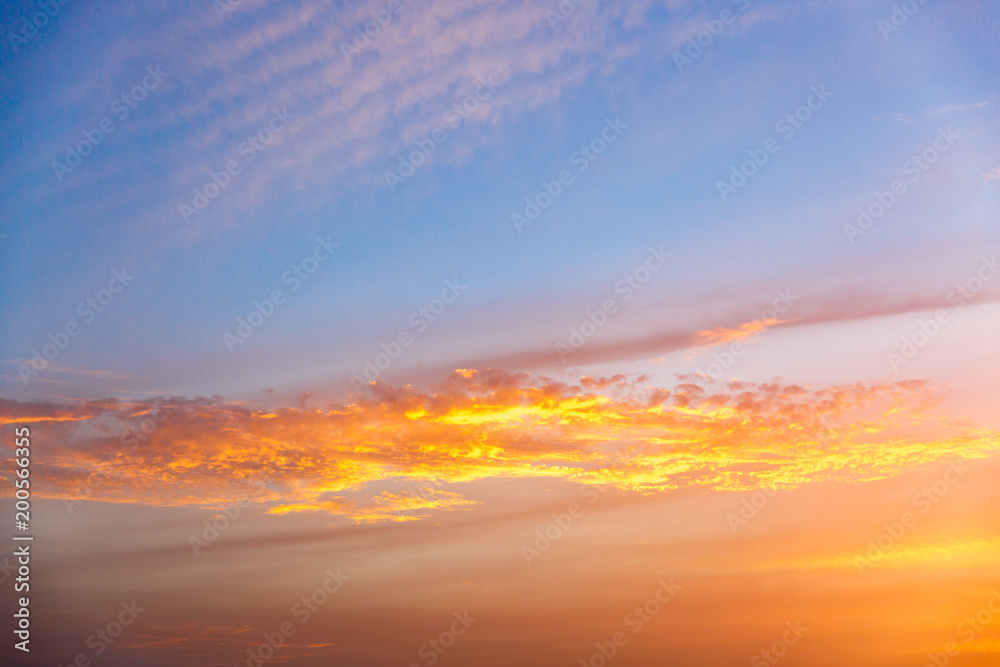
pixel 487 424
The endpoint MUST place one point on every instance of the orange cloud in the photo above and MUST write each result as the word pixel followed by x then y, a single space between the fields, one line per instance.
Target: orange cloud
pixel 722 335
pixel 392 456
pixel 650 344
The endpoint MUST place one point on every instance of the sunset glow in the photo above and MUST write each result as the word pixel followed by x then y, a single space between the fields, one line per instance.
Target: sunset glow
pixel 481 334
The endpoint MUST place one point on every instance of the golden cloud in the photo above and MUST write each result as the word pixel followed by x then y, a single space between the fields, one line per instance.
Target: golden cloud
pixel 398 454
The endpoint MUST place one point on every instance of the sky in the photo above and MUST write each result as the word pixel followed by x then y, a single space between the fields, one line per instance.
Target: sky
pixel 519 332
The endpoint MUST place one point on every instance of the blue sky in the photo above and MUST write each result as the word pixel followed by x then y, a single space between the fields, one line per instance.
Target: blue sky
pixel 355 116
pixel 449 380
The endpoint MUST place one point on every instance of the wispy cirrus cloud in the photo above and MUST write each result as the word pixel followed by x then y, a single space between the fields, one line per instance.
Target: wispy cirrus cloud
pixel 723 335
pixel 354 111
pixel 953 108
